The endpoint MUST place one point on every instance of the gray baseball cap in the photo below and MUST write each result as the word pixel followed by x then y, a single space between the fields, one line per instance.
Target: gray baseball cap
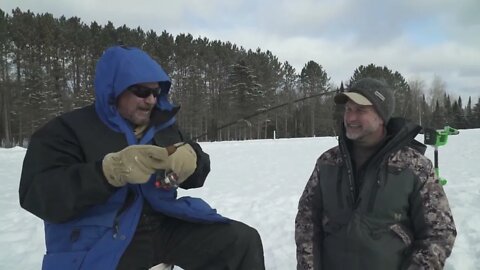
pixel 369 91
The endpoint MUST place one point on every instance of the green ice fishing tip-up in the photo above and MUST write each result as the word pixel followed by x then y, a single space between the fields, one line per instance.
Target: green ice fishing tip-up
pixel 438 138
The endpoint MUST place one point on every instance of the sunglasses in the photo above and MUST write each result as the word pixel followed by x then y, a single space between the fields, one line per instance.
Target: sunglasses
pixel 144 92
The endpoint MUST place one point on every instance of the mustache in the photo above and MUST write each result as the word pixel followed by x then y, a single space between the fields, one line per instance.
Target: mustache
pixel 146 108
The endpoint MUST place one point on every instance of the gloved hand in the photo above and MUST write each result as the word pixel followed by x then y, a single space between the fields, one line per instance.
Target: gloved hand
pixel 182 162
pixel 134 164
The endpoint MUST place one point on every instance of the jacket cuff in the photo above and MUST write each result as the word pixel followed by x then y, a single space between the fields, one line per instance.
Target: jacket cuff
pixel 103 178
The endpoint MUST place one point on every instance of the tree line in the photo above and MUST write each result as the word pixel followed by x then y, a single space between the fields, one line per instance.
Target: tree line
pixel 47 67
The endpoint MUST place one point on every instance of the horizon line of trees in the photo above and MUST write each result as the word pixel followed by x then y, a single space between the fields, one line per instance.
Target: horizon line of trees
pixel 47 67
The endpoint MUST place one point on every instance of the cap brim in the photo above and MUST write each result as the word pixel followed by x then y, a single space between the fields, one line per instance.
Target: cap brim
pixel 342 98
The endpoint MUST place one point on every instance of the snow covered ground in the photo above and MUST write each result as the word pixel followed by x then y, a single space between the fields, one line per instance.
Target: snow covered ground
pixel 259 182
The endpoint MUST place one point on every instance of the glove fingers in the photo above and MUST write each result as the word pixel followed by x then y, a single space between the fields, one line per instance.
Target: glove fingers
pixel 151 163
pixel 143 164
pixel 155 152
pixel 150 157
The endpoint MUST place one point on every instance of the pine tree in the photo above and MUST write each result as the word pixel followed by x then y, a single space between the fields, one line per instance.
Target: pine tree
pixel 5 84
pixel 267 69
pixel 245 93
pixel 314 80
pixel 447 105
pixel 469 114
pixel 425 113
pixel 338 110
pixel 288 92
pixel 458 115
pixel 476 115
pixel 438 117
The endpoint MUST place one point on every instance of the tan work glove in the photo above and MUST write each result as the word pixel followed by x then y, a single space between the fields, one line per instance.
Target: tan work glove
pixel 182 162
pixel 134 164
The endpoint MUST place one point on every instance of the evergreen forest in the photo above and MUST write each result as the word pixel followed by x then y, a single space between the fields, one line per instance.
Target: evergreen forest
pixel 226 92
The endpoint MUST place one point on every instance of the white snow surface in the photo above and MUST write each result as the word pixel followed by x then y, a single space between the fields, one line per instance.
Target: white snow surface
pixel 259 182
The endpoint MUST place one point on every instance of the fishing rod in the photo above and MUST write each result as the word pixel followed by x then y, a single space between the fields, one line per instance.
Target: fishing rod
pixel 263 111
pixel 169 180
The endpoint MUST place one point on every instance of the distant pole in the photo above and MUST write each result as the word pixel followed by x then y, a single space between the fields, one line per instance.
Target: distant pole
pixel 274 134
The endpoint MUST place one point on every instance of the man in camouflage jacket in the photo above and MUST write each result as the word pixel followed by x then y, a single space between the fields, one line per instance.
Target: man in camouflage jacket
pixel 373 202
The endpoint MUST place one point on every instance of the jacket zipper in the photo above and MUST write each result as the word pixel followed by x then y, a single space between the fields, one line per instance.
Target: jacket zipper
pixel 339 188
pixel 351 182
pixel 378 183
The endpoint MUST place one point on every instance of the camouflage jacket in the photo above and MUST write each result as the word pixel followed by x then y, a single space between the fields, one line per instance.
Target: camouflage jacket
pixel 399 218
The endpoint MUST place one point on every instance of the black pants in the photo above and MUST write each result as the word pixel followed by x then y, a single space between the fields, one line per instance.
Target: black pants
pixel 162 239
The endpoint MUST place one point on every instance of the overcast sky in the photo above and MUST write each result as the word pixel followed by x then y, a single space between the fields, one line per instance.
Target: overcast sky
pixel 418 38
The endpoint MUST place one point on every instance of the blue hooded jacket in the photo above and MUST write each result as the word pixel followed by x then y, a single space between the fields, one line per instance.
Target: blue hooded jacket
pixel 103 233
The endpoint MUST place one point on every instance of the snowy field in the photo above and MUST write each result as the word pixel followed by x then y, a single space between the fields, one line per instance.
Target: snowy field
pixel 259 182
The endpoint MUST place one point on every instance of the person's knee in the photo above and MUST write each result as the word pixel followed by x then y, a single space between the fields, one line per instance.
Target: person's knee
pixel 253 235
pixel 249 247
pixel 247 236
pixel 243 251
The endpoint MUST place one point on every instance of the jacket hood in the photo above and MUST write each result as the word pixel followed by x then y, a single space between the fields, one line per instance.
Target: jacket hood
pixel 403 132
pixel 118 68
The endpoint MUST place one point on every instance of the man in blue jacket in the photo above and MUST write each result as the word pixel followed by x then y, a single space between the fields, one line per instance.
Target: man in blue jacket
pixel 93 176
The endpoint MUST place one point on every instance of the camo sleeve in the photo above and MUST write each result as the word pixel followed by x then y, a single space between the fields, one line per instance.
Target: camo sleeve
pixel 434 228
pixel 305 224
